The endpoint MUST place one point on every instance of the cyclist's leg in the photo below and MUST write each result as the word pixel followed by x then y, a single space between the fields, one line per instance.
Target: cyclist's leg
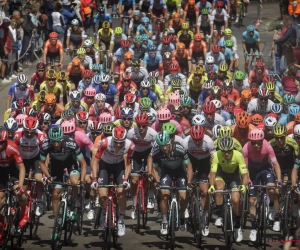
pixel 248 49
pixel 255 177
pixel 39 185
pixel 219 185
pixel 57 67
pixel 235 182
pixel 57 169
pixel 165 182
pixel 48 61
pixel 103 180
pixel 71 48
pixel 181 182
pixel 103 48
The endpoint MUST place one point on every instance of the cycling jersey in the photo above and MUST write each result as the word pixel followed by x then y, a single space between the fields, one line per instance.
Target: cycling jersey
pixel 205 22
pixel 82 86
pixel 15 92
pixel 9 156
pixel 56 113
pixel 140 30
pixel 53 49
pixel 257 78
pixel 141 143
pixel 236 145
pixel 232 38
pixel 151 95
pixel 251 40
pixel 154 4
pixel 168 78
pixel 204 150
pixel 56 89
pixel 82 107
pixel 218 58
pixel 118 123
pixel 242 138
pixel 36 105
pixel 152 64
pixel 186 39
pixel 240 88
pixel 105 37
pixel 255 108
pixel 112 93
pixel 137 76
pixel 87 63
pixel 217 120
pixel 76 36
pixel 35 79
pixel 75 71
pixel 119 55
pixel 96 111
pixel 83 141
pixel 220 16
pixel 123 89
pixel 139 52
pixel 192 85
pixel 106 17
pixel 173 3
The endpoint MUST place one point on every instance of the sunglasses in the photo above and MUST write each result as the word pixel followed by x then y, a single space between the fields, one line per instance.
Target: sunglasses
pixel 209 64
pixel 41 71
pixel 88 78
pixel 52 141
pixel 118 142
pixel 256 143
pixel 29 131
pixel 82 122
pixel 129 104
pixel 46 123
pixel 104 83
pixel 126 80
pixel 197 75
pixel 51 79
pixel 129 59
pixel 142 126
pixel 145 88
pixel 127 119
pixel 227 151
pixel 246 100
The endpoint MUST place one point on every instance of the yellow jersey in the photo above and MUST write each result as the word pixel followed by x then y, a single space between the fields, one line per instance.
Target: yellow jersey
pixel 83 106
pixel 237 162
pixel 56 89
pixel 36 105
pixel 196 86
pixel 7 114
pixel 189 33
pixel 105 37
pixel 118 123
pixel 173 3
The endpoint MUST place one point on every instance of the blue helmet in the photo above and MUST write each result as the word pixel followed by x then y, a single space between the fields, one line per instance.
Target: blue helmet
pixel 96 67
pixel 101 10
pixel 222 43
pixel 250 28
pixel 277 108
pixel 294 109
pixel 145 20
pixel 136 13
pixel 145 37
pixel 127 113
pixel 97 79
pixel 152 48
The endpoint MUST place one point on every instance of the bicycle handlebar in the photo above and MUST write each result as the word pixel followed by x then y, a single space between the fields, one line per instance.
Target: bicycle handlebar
pixel 107 186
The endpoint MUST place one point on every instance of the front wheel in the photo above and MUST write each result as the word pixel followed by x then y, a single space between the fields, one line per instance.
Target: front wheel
pixel 7 221
pixel 34 222
pixel 227 227
pixel 196 220
pixel 173 226
pixel 58 226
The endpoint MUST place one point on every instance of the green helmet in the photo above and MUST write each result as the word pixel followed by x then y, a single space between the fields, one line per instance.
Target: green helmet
pixel 225 143
pixel 67 113
pixel 239 75
pixel 118 30
pixel 229 43
pixel 169 127
pixel 138 39
pixel 145 103
pixel 185 101
pixel 162 138
pixel 204 11
pixel 56 134
pixel 288 99
pixel 108 128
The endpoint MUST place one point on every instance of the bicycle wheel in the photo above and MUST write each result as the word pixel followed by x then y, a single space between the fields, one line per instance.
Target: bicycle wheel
pixel 108 229
pixel 139 210
pixel 227 227
pixel 244 210
pixel 145 211
pixel 16 239
pixel 197 225
pixel 173 226
pixel 105 64
pixel 7 221
pixel 69 225
pixel 116 218
pixel 264 223
pixel 58 226
pixel 80 214
pixel 259 222
pixel 34 222
pixel 286 218
pixel 97 218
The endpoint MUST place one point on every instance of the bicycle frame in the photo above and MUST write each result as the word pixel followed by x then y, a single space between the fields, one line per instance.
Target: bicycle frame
pixel 141 185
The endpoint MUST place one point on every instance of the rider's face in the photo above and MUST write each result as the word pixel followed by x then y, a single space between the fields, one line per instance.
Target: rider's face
pixel 280 141
pixel 165 149
pixel 257 145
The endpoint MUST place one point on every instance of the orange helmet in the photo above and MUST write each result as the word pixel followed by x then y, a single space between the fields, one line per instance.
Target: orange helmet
pixel 256 119
pixel 246 94
pixel 176 16
pixel 50 99
pixel 128 55
pixel 243 120
pixel 197 37
pixel 76 62
pixel 191 2
pixel 180 46
pixel 297 118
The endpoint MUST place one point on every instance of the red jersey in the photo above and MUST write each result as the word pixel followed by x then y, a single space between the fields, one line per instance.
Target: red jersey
pixel 10 155
pixel 35 78
pixel 124 90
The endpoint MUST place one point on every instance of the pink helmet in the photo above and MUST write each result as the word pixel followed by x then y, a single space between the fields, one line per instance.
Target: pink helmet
pixel 90 92
pixel 20 118
pixel 164 114
pixel 105 118
pixel 68 127
pixel 256 135
pixel 174 98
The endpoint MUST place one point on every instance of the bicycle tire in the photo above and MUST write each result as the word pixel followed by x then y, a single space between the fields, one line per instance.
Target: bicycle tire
pixel 145 212
pixel 259 223
pixel 7 222
pixel 105 64
pixel 244 211
pixel 227 228
pixel 81 213
pixel 139 210
pixel 69 225
pixel 197 223
pixel 34 223
pixel 15 241
pixel 115 233
pixel 264 223
pixel 286 218
pixel 97 218
pixel 173 226
pixel 108 228
pixel 58 226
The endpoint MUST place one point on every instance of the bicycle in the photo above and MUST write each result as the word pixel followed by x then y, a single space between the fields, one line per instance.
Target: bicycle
pixel 228 229
pixel 105 64
pixel 142 198
pixel 245 208
pixel 241 16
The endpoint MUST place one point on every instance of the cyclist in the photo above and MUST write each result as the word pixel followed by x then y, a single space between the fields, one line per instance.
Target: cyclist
pixel 101 16
pixel 239 81
pixel 86 61
pixel 176 22
pixel 134 23
pixel 100 106
pixel 226 167
pixel 173 6
pixel 205 25
pixel 52 108
pixel 53 51
pixel 270 122
pixel 75 70
pixel 66 85
pixel 91 51
pixel 216 54
pixel 139 48
pixel 119 55
pixel 191 11
pixel 226 131
pixel 258 73
pixel 183 56
pixel 246 97
pixel 138 73
pixel 227 54
pixel 75 37
pixel 89 95
pixel 158 9
pixel 104 36
pixel 126 121
pixel 116 39
pixel 128 56
pixel 274 95
pixel 185 36
pixel 166 46
pixel 261 105
pixel 110 159
pixel 153 60
pixel 85 82
pixel 262 163
pixel 210 65
pixel 229 37
pixel 144 28
pixel 215 94
pixel 195 82
pixel 125 85
pixel 11 127
pixel 76 104
pixel 200 148
pixel 220 16
pixel 170 167
pixel 38 77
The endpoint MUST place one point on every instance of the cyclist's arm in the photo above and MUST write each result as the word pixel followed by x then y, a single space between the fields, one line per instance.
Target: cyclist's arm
pixel 242 167
pixel 68 38
pixel 83 168
pixel 61 54
pixel 214 168
pixel 294 174
pixel 45 52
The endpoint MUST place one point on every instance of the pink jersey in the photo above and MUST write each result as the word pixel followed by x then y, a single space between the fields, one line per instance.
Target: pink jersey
pixel 157 127
pixel 83 141
pixel 261 158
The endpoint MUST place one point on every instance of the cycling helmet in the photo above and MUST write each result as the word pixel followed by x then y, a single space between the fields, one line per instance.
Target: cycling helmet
pixel 30 123
pixel 212 75
pixel 81 51
pixel 118 31
pixel 277 108
pixel 28 111
pixel 227 83
pixel 174 98
pixel 56 134
pixel 152 117
pixel 101 10
pixel 227 32
pixel 225 131
pixel 294 109
pixel 53 35
pixel 174 67
pixel 279 130
pixel 108 128
pixel 22 79
pixel 67 114
pixel 256 135
pixel 105 25
pixel 230 107
pixel 223 66
pixel 105 117
pixel 104 78
pixel 145 84
pixel 297 118
pixel 136 13
pixel 180 46
pixel 90 92
pixel 297 130
pixel 209 108
pixel 270 121
pixel 259 63
pixel 263 92
pixel 219 4
pixel 215 48
pixel 197 132
pixel 100 97
pixel 208 84
pixel 138 39
pixel 75 95
pixel 217 104
pixel 171 31
pixel 74 22
pixel 167 40
pixel 47 117
pixel 145 103
pixel 199 70
pixel 95 126
pixel 145 37
pixel 87 73
pixel 82 116
pixel 197 37
pixel 239 75
pixel 127 113
pixel 222 43
pixel 268 79
pixel 126 76
pixel 167 55
pixel 152 48
pixel 250 28
pixel 243 120
pixel 145 20
pixel 163 114
pixel 68 127
pixel 185 26
pixel 96 67
pixel 62 76
pixel 142 119
pixel 256 119
pixel 216 91
pixel 210 59
pixel 125 44
pixel 162 138
pixel 216 130
pixel 128 55
pixel 204 11
pixel 51 74
pixel 50 99
pixel 169 127
pixel 229 43
pixel 40 66
pixel 226 143
pixel 130 98
pixel 11 125
pixel 20 118
pixel 119 134
pixel 288 99
pixel 186 101
pixel 270 86
pixel 75 62
pixel 96 79
pixel 176 82
pixel 87 43
pixel 246 94
pixel 199 120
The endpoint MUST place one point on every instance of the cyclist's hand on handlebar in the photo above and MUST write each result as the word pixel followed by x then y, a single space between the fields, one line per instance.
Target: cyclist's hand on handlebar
pixel 94 184
pixel 157 185
pixel 190 186
pixel 19 189
pixel 243 189
pixel 150 177
pixel 80 184
pixel 126 184
pixel 249 183
pixel 211 189
pixel 246 53
pixel 279 183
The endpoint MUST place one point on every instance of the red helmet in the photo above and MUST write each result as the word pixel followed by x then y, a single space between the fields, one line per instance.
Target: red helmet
pixel 53 35
pixel 268 79
pixel 130 98
pixel 212 75
pixel 142 119
pixel 119 134
pixel 21 103
pixel 230 107
pixel 166 40
pixel 30 123
pixel 237 111
pixel 197 132
pixel 219 4
pixel 209 108
pixel 3 134
pixel 259 64
pixel 87 73
pixel 95 125
pixel 174 67
pixel 40 66
pixel 263 92
pixel 82 116
pixel 125 44
pixel 215 48
pixel 126 76
pixel 68 127
pixel 272 115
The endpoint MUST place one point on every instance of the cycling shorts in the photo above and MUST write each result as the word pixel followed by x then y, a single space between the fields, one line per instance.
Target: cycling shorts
pixel 137 161
pixel 205 30
pixel 168 175
pixel 5 172
pixel 231 180
pixel 57 168
pixel 202 166
pixel 218 25
pixel 53 57
pixel 251 46
pixel 263 177
pixel 108 169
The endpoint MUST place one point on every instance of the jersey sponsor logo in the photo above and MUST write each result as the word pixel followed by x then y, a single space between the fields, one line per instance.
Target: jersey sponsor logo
pixel 164 180
pixel 71 144
pixel 198 152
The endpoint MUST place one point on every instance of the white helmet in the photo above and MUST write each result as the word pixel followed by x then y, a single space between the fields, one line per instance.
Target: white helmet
pixel 210 59
pixel 297 130
pixel 104 78
pixel 152 117
pixel 199 120
pixel 145 84
pixel 208 84
pixel 217 103
pixel 11 125
pixel 75 95
pixel 22 79
pixel 88 43
pixel 216 130
pixel 75 22
pixel 100 97
pixel 270 122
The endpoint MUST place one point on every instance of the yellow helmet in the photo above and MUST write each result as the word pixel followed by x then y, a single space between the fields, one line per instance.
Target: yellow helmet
pixel 105 25
pixel 279 130
pixel 41 96
pixel 199 70
pixel 51 74
pixel 223 66
pixel 270 86
pixel 225 131
pixel 81 51
pixel 62 76
pixel 185 26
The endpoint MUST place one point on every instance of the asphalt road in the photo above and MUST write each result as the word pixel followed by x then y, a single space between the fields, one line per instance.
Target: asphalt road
pixel 149 238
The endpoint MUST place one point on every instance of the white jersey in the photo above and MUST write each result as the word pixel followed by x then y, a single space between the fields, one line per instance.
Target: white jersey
pixel 205 23
pixel 29 147
pixel 220 16
pixel 107 151
pixel 141 143
pixel 206 148
pixel 229 122
pixel 168 79
pixel 219 120
pixel 245 85
pixel 255 108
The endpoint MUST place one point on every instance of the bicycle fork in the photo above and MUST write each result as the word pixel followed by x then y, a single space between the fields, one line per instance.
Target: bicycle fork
pixel 174 203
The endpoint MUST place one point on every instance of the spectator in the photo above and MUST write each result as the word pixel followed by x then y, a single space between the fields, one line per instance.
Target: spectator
pixel 13 55
pixel 290 33
pixel 58 22
pixel 289 81
pixel 14 6
pixel 287 58
pixel 5 47
pixel 296 50
pixel 68 12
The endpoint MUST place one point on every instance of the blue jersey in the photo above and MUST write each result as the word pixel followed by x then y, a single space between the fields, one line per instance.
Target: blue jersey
pixel 151 64
pixel 141 29
pixel 158 6
pixel 225 115
pixel 16 93
pixel 127 3
pixel 283 120
pixel 215 68
pixel 251 40
pixel 151 95
pixel 228 54
pixel 111 93
pixel 106 17
pixel 83 85
pixel 218 59
pixel 202 97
